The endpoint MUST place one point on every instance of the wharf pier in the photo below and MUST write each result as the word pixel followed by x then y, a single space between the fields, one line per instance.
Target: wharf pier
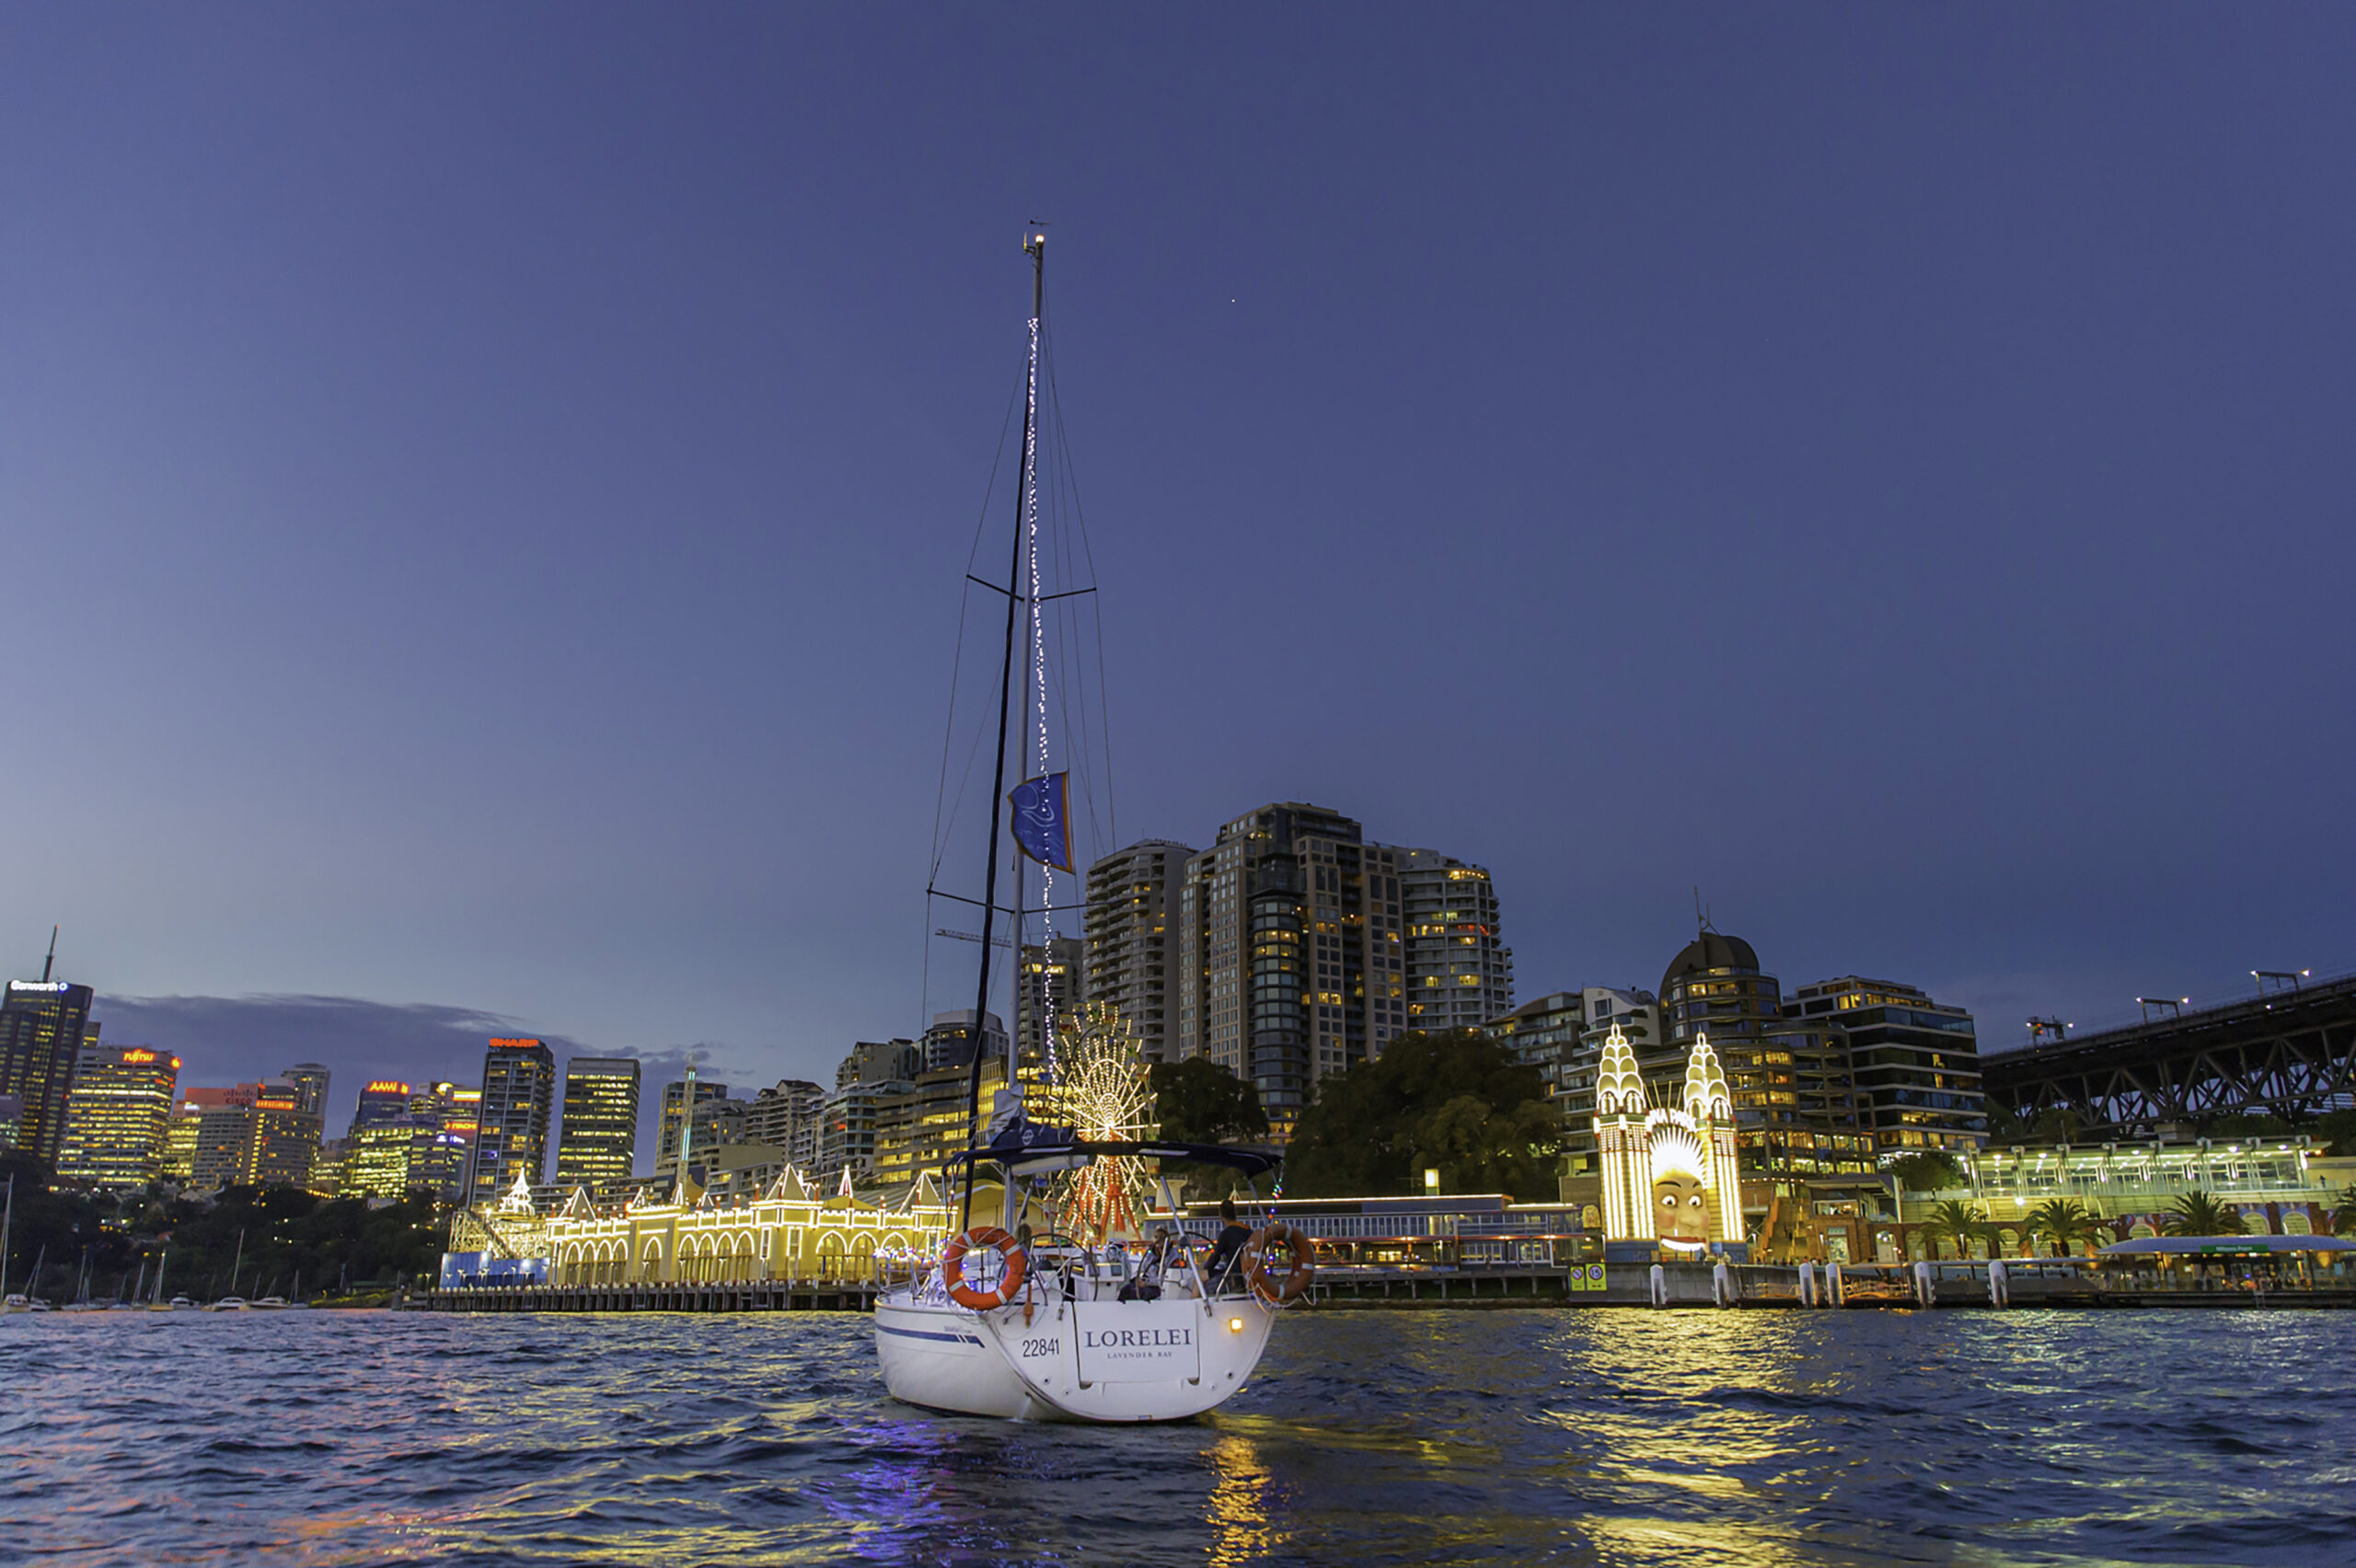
pixel 760 1295
pixel 2059 1284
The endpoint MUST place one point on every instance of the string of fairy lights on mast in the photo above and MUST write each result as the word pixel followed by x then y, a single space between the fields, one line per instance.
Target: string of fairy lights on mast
pixel 1039 690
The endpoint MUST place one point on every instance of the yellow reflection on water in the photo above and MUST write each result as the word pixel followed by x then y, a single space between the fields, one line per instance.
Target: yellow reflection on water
pixel 1242 1530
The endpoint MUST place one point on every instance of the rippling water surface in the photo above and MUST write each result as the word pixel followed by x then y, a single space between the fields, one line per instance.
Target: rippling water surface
pixel 1611 1436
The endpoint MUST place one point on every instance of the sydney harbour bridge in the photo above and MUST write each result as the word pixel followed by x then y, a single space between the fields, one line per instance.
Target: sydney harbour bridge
pixel 2290 1052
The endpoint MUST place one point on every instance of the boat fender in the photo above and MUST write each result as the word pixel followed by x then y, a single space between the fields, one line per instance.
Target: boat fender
pixel 1303 1252
pixel 952 1268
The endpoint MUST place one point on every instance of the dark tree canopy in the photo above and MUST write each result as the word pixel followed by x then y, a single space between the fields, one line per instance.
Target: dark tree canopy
pixel 1456 1102
pixel 1200 1102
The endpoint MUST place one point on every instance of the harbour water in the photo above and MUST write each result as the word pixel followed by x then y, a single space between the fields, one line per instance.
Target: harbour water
pixel 1619 1438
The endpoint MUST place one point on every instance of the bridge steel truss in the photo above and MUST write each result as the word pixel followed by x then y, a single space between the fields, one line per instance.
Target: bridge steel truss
pixel 2291 1054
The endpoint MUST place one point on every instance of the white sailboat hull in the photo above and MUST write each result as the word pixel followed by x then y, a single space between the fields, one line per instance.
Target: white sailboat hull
pixel 1096 1361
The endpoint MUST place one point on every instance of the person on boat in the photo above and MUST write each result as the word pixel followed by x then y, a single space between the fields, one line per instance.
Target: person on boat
pixel 1233 1234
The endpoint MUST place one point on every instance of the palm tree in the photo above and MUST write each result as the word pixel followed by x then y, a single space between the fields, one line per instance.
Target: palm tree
pixel 2066 1223
pixel 2343 1213
pixel 2198 1213
pixel 1957 1221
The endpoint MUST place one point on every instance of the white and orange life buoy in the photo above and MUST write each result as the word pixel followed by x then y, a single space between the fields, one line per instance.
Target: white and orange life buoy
pixel 1303 1252
pixel 952 1268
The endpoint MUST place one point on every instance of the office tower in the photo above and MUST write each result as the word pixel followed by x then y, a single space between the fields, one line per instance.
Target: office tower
pixel 1132 937
pixel 12 1118
pixel 950 1042
pixel 597 1141
pixel 788 1116
pixel 116 1115
pixel 285 1140
pixel 41 1025
pixel 310 1081
pixel 1915 1064
pixel 673 1117
pixel 251 1135
pixel 1291 961
pixel 445 1117
pixel 518 1093
pixel 884 1061
pixel 383 1102
pixel 1460 972
pixel 1047 985
pixel 381 1159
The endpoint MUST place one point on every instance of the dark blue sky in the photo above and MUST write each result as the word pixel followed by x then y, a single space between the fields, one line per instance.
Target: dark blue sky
pixel 483 494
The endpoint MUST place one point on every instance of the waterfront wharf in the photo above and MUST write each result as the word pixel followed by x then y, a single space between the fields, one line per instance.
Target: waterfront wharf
pixel 760 1295
pixel 2020 1283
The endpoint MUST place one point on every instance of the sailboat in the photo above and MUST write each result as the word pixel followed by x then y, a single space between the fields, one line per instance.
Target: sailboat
pixel 1027 1323
pixel 232 1302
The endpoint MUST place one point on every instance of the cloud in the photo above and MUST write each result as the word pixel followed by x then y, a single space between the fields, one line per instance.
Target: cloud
pixel 223 1040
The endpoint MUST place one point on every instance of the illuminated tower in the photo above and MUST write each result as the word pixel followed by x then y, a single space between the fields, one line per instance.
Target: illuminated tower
pixel 1710 1109
pixel 1623 1144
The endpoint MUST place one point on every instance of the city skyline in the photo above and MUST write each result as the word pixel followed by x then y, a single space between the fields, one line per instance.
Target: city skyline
pixel 1899 500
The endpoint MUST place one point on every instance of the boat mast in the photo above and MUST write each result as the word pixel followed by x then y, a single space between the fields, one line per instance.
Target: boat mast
pixel 7 1223
pixel 1034 245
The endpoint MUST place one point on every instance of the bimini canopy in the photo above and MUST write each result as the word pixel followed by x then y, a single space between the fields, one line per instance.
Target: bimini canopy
pixel 1066 1154
pixel 2225 1246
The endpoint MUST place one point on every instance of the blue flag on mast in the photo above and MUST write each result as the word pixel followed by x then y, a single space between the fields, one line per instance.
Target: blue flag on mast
pixel 1041 826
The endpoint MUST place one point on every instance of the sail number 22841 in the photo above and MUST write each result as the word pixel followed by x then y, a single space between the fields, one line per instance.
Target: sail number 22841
pixel 1031 1347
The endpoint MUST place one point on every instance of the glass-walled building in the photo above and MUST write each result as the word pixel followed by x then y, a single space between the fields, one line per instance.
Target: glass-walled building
pixel 597 1139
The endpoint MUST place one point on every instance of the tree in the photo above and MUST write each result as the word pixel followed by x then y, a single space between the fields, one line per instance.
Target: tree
pixel 1928 1170
pixel 2343 1213
pixel 1958 1222
pixel 1370 1124
pixel 1200 1102
pixel 2066 1224
pixel 1477 1149
pixel 2198 1213
pixel 2055 1127
pixel 2338 1129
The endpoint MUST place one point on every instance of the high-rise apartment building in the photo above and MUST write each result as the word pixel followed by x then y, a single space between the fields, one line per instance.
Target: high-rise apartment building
pixel 788 1116
pixel 116 1115
pixel 917 1129
pixel 674 1117
pixel 518 1093
pixel 42 1027
pixel 846 1136
pixel 884 1061
pixel 950 1042
pixel 1603 1008
pixel 597 1141
pixel 1914 1061
pixel 1049 983
pixel 1715 986
pixel 1290 958
pixel 1544 1034
pixel 1131 961
pixel 1460 972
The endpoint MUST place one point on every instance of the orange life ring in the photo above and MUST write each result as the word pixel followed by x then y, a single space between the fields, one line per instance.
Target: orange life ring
pixel 952 1268
pixel 1255 1263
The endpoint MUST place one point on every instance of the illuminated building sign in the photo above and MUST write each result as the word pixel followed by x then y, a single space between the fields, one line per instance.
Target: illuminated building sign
pixel 388 1086
pixel 46 986
pixel 137 1055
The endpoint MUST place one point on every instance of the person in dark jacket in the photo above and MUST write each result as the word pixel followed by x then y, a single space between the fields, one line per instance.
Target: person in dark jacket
pixel 1231 1237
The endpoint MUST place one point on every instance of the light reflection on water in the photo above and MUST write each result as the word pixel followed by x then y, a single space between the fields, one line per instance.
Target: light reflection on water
pixel 1745 1439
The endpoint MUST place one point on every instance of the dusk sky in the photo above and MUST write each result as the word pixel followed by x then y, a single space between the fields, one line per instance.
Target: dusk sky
pixel 485 492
